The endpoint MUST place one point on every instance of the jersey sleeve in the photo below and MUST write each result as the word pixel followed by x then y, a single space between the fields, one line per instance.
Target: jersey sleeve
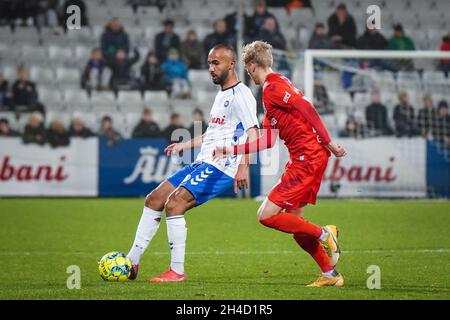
pixel 245 105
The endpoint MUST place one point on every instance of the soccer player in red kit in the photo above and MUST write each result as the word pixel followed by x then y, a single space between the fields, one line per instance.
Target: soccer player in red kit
pixel 295 120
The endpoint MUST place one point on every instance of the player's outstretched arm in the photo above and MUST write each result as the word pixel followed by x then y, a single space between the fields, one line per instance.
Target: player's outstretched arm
pixel 184 146
pixel 265 141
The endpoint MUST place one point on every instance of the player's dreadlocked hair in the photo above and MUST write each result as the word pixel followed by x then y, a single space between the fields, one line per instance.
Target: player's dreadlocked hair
pixel 258 52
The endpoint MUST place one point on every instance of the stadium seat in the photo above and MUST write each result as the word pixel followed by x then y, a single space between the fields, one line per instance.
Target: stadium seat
pixel 59 54
pixel 34 55
pixel 82 54
pixel 201 80
pixel 206 98
pixel 27 35
pixel 42 75
pixel 130 100
pixel 155 98
pixel 51 98
pixel 68 76
pixel 10 72
pixel 103 102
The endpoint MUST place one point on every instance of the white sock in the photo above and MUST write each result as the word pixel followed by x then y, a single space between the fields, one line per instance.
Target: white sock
pixel 324 235
pixel 148 225
pixel 176 234
pixel 330 274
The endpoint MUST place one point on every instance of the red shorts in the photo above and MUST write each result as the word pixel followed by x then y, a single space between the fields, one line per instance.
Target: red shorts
pixel 299 184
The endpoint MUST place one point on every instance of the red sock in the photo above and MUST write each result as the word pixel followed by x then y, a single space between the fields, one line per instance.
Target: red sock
pixel 313 247
pixel 290 223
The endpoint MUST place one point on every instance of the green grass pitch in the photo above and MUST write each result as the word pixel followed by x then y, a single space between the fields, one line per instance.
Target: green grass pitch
pixel 229 254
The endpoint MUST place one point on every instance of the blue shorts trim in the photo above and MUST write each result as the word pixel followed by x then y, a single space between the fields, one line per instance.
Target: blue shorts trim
pixel 203 180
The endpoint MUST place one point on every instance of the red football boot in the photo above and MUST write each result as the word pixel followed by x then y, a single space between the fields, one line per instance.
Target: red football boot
pixel 168 276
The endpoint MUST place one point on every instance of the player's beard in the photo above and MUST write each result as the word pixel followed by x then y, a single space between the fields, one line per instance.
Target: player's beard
pixel 221 79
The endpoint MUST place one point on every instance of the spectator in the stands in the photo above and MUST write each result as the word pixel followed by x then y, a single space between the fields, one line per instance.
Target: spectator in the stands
pixel 176 76
pixel 441 128
pixel 57 135
pixel 121 77
pixel 47 15
pixel 166 40
pixel 426 117
pixel 256 22
pixel 404 117
pixel 192 51
pixel 34 131
pixel 342 28
pixel 400 41
pixel 5 129
pixel 444 64
pixel 93 76
pixel 152 76
pixel 23 11
pixel 371 39
pixel 79 130
pixel 175 123
pixel 25 96
pixel 147 127
pixel 4 92
pixel 220 35
pixel 377 116
pixel 352 129
pixel 199 125
pixel 108 132
pixel 83 10
pixel 271 34
pixel 321 99
pixel 113 39
pixel 319 39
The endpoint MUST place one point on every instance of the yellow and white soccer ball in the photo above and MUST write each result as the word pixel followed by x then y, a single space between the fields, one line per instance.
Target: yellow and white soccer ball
pixel 114 266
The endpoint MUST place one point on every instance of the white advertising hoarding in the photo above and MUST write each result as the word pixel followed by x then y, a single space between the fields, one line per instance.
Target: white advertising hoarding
pixel 375 167
pixel 32 170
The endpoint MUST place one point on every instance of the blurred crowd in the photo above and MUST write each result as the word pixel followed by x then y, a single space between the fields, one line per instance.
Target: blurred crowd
pixel 57 134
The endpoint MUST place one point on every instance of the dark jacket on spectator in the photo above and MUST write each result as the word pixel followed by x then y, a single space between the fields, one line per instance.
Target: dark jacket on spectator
pixel 4 87
pixel 377 119
pixel 192 54
pixel 320 42
pixel 165 41
pixel 372 41
pixel 112 41
pixel 276 39
pixel 152 77
pixel 25 94
pixel 99 65
pixel 58 139
pixel 83 133
pixel 192 128
pixel 255 23
pixel 167 132
pixel 146 130
pixel 425 120
pixel 121 70
pixel 215 38
pixel 404 120
pixel 347 30
pixel 34 135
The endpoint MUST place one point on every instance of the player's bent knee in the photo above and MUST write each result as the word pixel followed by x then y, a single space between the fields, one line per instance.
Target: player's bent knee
pixel 174 207
pixel 153 201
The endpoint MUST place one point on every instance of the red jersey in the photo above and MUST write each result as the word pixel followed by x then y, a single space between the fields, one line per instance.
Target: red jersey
pixel 295 118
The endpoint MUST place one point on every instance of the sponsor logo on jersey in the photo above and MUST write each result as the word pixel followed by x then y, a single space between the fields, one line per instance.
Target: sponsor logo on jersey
pixel 217 120
pixel 273 121
pixel 287 95
pixel 226 104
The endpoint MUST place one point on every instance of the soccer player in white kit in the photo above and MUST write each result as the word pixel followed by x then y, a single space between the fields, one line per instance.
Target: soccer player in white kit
pixel 232 121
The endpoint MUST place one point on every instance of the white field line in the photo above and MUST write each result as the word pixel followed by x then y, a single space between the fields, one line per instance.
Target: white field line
pixel 205 253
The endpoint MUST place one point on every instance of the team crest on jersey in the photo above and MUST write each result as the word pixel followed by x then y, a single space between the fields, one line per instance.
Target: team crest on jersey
pixel 226 104
pixel 273 121
pixel 287 95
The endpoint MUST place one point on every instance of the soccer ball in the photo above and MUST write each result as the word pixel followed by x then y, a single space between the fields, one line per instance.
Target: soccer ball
pixel 114 266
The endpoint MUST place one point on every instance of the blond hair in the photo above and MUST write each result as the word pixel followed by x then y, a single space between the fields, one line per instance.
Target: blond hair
pixel 259 53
